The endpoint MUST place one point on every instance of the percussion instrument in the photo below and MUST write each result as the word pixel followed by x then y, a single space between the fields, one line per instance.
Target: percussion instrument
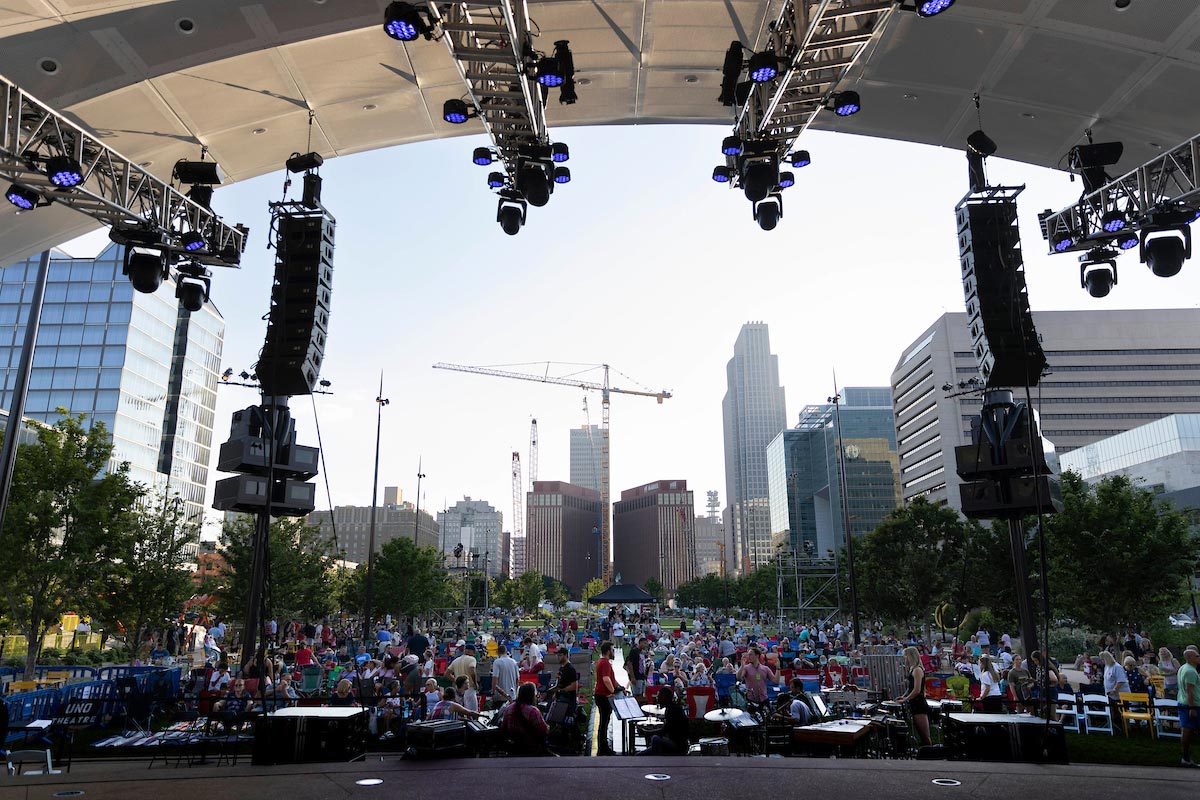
pixel 714 746
pixel 724 714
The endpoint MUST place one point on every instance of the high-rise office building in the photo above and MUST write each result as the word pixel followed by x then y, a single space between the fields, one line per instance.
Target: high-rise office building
pixel 753 413
pixel 1109 371
pixel 518 557
pixel 479 528
pixel 137 362
pixel 654 535
pixel 395 519
pixel 585 456
pixel 562 532
pixel 1162 456
pixel 804 463
pixel 710 536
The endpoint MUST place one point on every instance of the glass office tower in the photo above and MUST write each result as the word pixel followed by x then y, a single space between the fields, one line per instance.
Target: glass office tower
pixel 139 363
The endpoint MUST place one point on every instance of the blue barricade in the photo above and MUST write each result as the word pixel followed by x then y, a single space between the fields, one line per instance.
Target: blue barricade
pixel 93 690
pixel 28 706
pixel 113 673
pixel 76 672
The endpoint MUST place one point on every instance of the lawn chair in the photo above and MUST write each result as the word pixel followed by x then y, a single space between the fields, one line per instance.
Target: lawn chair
pixel 17 759
pixel 1135 706
pixel 699 700
pixel 1097 713
pixel 1166 719
pixel 310 680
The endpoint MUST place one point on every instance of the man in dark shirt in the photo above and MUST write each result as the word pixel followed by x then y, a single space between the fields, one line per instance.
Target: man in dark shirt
pixel 673 741
pixel 417 644
pixel 567 685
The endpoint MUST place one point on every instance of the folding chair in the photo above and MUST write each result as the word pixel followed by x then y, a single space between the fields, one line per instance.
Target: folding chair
pixel 699 700
pixel 1135 706
pixel 1166 719
pixel 1067 707
pixel 17 759
pixel 1097 713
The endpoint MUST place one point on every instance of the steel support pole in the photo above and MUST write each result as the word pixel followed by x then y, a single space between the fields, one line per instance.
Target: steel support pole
pixel 368 609
pixel 850 574
pixel 16 409
pixel 1016 540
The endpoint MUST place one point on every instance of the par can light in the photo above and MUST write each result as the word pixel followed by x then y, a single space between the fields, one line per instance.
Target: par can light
pixel 1127 240
pixel 786 179
pixel 192 241
pixel 562 175
pixel 495 179
pixel 931 8
pixel 763 67
pixel 402 22
pixel 455 112
pixel 559 152
pixel 482 156
pixel 1114 221
pixel 846 103
pixel 64 172
pixel 722 174
pixel 548 73
pixel 731 146
pixel 801 158
pixel 22 198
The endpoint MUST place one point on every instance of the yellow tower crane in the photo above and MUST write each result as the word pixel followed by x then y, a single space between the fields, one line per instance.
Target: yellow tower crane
pixel 605 390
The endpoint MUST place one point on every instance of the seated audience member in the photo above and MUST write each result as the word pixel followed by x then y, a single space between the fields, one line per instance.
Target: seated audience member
pixel 449 707
pixel 523 724
pixel 220 678
pixel 341 694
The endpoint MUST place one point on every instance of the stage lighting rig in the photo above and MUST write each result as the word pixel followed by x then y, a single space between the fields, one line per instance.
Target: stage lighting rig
pixel 778 84
pixel 197 173
pixel 192 284
pixel 1166 243
pixel 930 8
pixel 405 23
pixel 1089 160
pixel 508 81
pixel 25 199
pixel 722 174
pixel 1098 271
pixel 768 211
pixel 64 171
pixel 510 212
pixel 145 267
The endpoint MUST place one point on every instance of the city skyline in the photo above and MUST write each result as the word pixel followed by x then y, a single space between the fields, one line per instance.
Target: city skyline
pixel 844 282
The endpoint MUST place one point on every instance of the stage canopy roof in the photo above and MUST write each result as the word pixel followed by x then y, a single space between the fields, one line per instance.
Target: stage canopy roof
pixel 622 593
pixel 156 78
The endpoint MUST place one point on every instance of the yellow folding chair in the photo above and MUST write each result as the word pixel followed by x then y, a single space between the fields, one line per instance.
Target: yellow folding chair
pixel 1136 706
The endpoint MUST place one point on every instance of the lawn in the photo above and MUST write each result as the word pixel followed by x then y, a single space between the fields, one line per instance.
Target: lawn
pixel 1137 750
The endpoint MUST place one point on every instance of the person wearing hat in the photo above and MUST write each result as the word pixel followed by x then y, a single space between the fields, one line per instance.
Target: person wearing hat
pixel 464 667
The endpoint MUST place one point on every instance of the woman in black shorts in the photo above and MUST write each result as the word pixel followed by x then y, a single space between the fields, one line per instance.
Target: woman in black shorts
pixel 915 696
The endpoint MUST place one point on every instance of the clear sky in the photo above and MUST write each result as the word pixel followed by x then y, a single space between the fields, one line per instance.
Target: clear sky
pixel 641 262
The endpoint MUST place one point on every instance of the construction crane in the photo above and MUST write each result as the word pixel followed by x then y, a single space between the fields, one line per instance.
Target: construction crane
pixel 605 390
pixel 533 455
pixel 518 527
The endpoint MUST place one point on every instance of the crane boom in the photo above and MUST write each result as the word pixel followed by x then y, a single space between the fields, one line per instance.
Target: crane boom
pixel 524 376
pixel 605 391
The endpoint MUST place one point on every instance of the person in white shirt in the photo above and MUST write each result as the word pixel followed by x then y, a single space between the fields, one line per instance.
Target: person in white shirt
pixel 505 675
pixel 618 633
pixel 219 679
pixel 989 691
pixel 985 640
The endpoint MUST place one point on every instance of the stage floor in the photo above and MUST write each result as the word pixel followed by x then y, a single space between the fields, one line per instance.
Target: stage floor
pixel 615 778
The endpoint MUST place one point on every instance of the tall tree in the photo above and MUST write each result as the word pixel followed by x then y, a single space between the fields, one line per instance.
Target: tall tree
pixel 592 588
pixel 529 591
pixel 154 579
pixel 409 580
pixel 555 590
pixel 66 528
pixel 911 561
pixel 654 588
pixel 298 581
pixel 1119 558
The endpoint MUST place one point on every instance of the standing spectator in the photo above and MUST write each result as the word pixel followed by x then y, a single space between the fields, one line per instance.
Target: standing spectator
pixel 618 634
pixel 1170 671
pixel 985 640
pixel 915 696
pixel 1189 703
pixel 505 675
pixel 465 667
pixel 989 680
pixel 606 687
pixel 1115 679
pixel 756 677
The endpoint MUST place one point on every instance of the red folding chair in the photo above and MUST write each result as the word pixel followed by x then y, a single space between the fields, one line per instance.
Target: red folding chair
pixel 699 700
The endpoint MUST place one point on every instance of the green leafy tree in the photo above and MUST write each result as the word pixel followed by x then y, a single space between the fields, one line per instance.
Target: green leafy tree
pixel 67 528
pixel 299 578
pixel 592 588
pixel 347 588
pixel 1119 558
pixel 758 588
pixel 555 590
pixel 508 594
pixel 409 580
pixel 654 588
pixel 154 579
pixel 908 564
pixel 529 591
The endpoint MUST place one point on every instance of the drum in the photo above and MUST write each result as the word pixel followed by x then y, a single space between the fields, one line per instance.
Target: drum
pixel 714 746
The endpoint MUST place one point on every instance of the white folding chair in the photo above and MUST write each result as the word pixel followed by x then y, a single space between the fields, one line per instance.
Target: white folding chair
pixel 1067 707
pixel 1166 718
pixel 1097 714
pixel 17 759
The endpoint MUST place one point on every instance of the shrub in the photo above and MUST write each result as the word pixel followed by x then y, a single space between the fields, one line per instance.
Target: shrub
pixel 1067 643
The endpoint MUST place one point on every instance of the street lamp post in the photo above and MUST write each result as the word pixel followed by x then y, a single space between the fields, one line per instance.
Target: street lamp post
pixel 837 412
pixel 380 402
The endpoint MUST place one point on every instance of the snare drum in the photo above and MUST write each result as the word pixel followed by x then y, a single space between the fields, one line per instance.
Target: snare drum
pixel 714 746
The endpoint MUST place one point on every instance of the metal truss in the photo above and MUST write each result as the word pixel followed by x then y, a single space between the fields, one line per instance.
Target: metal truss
pixel 1167 182
pixel 491 44
pixel 817 45
pixel 806 587
pixel 115 191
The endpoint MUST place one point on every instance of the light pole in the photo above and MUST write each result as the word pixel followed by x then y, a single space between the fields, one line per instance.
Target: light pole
pixel 837 412
pixel 417 515
pixel 380 402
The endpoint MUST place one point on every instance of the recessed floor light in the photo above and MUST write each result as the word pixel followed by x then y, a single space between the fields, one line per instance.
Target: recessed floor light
pixel 1155 145
pixel 186 25
pixel 1028 115
pixel 48 66
pixel 370 107
pixel 259 131
pixel 145 164
pixel 658 776
pixel 690 79
pixel 910 96
pixel 369 781
pixel 583 81
pixel 946 782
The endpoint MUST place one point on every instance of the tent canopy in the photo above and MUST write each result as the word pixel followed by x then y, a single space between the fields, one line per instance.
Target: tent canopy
pixel 623 593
